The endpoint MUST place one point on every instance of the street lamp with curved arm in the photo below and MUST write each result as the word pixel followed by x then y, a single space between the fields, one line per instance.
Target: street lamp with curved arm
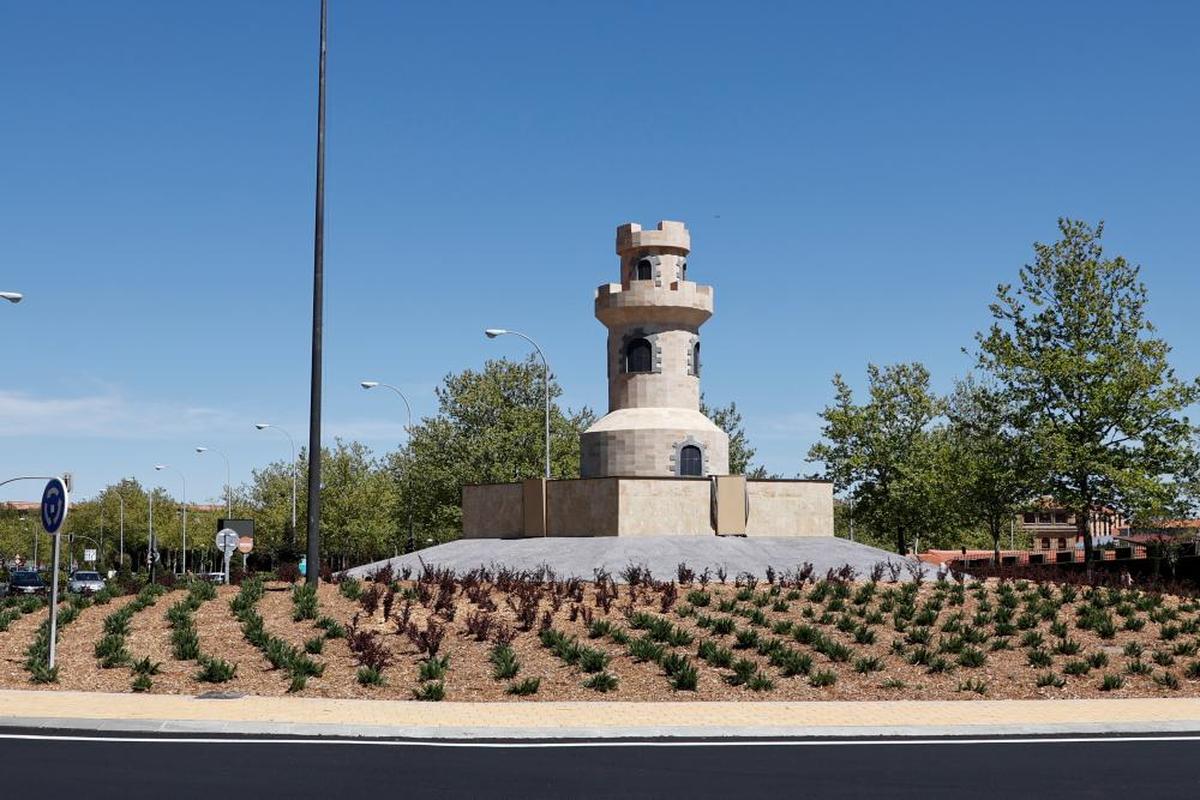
pixel 228 487
pixel 412 541
pixel 262 426
pixel 492 333
pixel 160 468
pixel 12 297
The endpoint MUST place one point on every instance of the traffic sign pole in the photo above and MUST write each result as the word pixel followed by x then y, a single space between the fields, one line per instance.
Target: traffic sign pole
pixel 54 600
pixel 55 501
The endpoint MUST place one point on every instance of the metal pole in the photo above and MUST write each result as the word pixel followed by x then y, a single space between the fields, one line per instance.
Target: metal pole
pixel 121 564
pixel 314 414
pixel 150 537
pixel 412 539
pixel 54 600
pixel 184 570
pixel 491 333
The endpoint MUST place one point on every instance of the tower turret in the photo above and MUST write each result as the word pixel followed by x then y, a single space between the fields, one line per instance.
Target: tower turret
pixel 654 425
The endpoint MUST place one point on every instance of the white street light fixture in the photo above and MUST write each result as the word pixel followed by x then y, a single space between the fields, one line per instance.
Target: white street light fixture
pixel 12 297
pixel 412 542
pixel 228 486
pixel 160 468
pixel 262 426
pixel 492 333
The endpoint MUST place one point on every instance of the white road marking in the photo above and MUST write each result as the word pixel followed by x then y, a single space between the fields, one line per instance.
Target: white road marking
pixel 512 744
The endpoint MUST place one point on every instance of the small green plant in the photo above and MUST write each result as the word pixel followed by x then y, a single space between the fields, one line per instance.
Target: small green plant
pixel 714 654
pixel 599 629
pixel 111 651
pixel 314 645
pixel 141 683
pixel 1167 680
pixel 1039 658
pixel 868 664
pixel 1050 680
pixel 504 662
pixel 146 667
pixel 1077 667
pixel 333 629
pixel 304 602
pixel 1138 667
pixel 1032 639
pixel 759 682
pixel 822 678
pixel 524 687
pixel 1132 650
pixel 369 676
pixel 973 685
pixel 430 692
pixel 893 683
pixel 433 668
pixel 1098 659
pixel 215 670
pixel 1067 647
pixel 646 649
pixel 1163 658
pixel 971 657
pixel 1111 683
pixel 351 589
pixel 601 682
pixel 592 660
pixel 1192 673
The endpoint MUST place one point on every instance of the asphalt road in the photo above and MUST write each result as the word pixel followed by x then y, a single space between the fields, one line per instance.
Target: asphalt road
pixel 233 768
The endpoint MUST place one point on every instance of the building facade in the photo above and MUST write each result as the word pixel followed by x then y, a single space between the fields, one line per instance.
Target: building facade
pixel 1051 527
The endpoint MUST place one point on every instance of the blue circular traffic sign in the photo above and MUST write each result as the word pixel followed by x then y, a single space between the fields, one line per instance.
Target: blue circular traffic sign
pixel 54 505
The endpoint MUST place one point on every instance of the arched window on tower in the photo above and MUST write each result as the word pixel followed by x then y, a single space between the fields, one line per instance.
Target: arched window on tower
pixel 691 461
pixel 639 356
pixel 696 359
pixel 645 270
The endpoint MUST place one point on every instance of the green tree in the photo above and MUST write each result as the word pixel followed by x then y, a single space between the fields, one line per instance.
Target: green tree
pixel 885 452
pixel 488 429
pixel 741 452
pixel 1092 384
pixel 991 465
pixel 357 505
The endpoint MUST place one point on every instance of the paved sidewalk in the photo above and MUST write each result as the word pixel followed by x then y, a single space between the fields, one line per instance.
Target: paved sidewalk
pixel 533 720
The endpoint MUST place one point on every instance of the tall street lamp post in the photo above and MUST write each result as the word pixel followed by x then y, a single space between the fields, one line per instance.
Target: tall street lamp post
pixel 492 333
pixel 412 541
pixel 160 468
pixel 313 550
pixel 228 487
pixel 262 426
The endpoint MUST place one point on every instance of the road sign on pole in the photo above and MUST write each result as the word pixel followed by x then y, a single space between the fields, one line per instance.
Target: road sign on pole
pixel 55 501
pixel 89 555
pixel 227 542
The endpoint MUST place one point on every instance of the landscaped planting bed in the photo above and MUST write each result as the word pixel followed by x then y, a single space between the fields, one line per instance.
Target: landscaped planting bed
pixel 504 636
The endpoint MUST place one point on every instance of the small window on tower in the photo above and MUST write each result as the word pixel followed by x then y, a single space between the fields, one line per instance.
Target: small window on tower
pixel 645 270
pixel 639 356
pixel 696 359
pixel 691 461
pixel 683 270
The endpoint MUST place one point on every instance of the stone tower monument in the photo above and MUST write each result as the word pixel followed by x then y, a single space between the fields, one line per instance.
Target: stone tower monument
pixel 654 426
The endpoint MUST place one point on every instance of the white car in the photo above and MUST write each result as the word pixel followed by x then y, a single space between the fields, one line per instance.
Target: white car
pixel 88 582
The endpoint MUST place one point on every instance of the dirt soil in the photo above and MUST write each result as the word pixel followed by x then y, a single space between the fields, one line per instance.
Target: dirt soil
pixel 1165 627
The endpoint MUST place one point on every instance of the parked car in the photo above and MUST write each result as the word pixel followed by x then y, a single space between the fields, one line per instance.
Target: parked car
pixel 85 582
pixel 212 577
pixel 26 581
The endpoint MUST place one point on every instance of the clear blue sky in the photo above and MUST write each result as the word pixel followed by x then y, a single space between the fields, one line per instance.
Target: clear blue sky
pixel 857 179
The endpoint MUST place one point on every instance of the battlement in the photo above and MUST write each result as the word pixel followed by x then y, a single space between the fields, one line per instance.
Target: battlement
pixel 674 235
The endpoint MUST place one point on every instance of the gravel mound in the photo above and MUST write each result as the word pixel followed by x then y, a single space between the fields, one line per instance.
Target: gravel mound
pixel 661 554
